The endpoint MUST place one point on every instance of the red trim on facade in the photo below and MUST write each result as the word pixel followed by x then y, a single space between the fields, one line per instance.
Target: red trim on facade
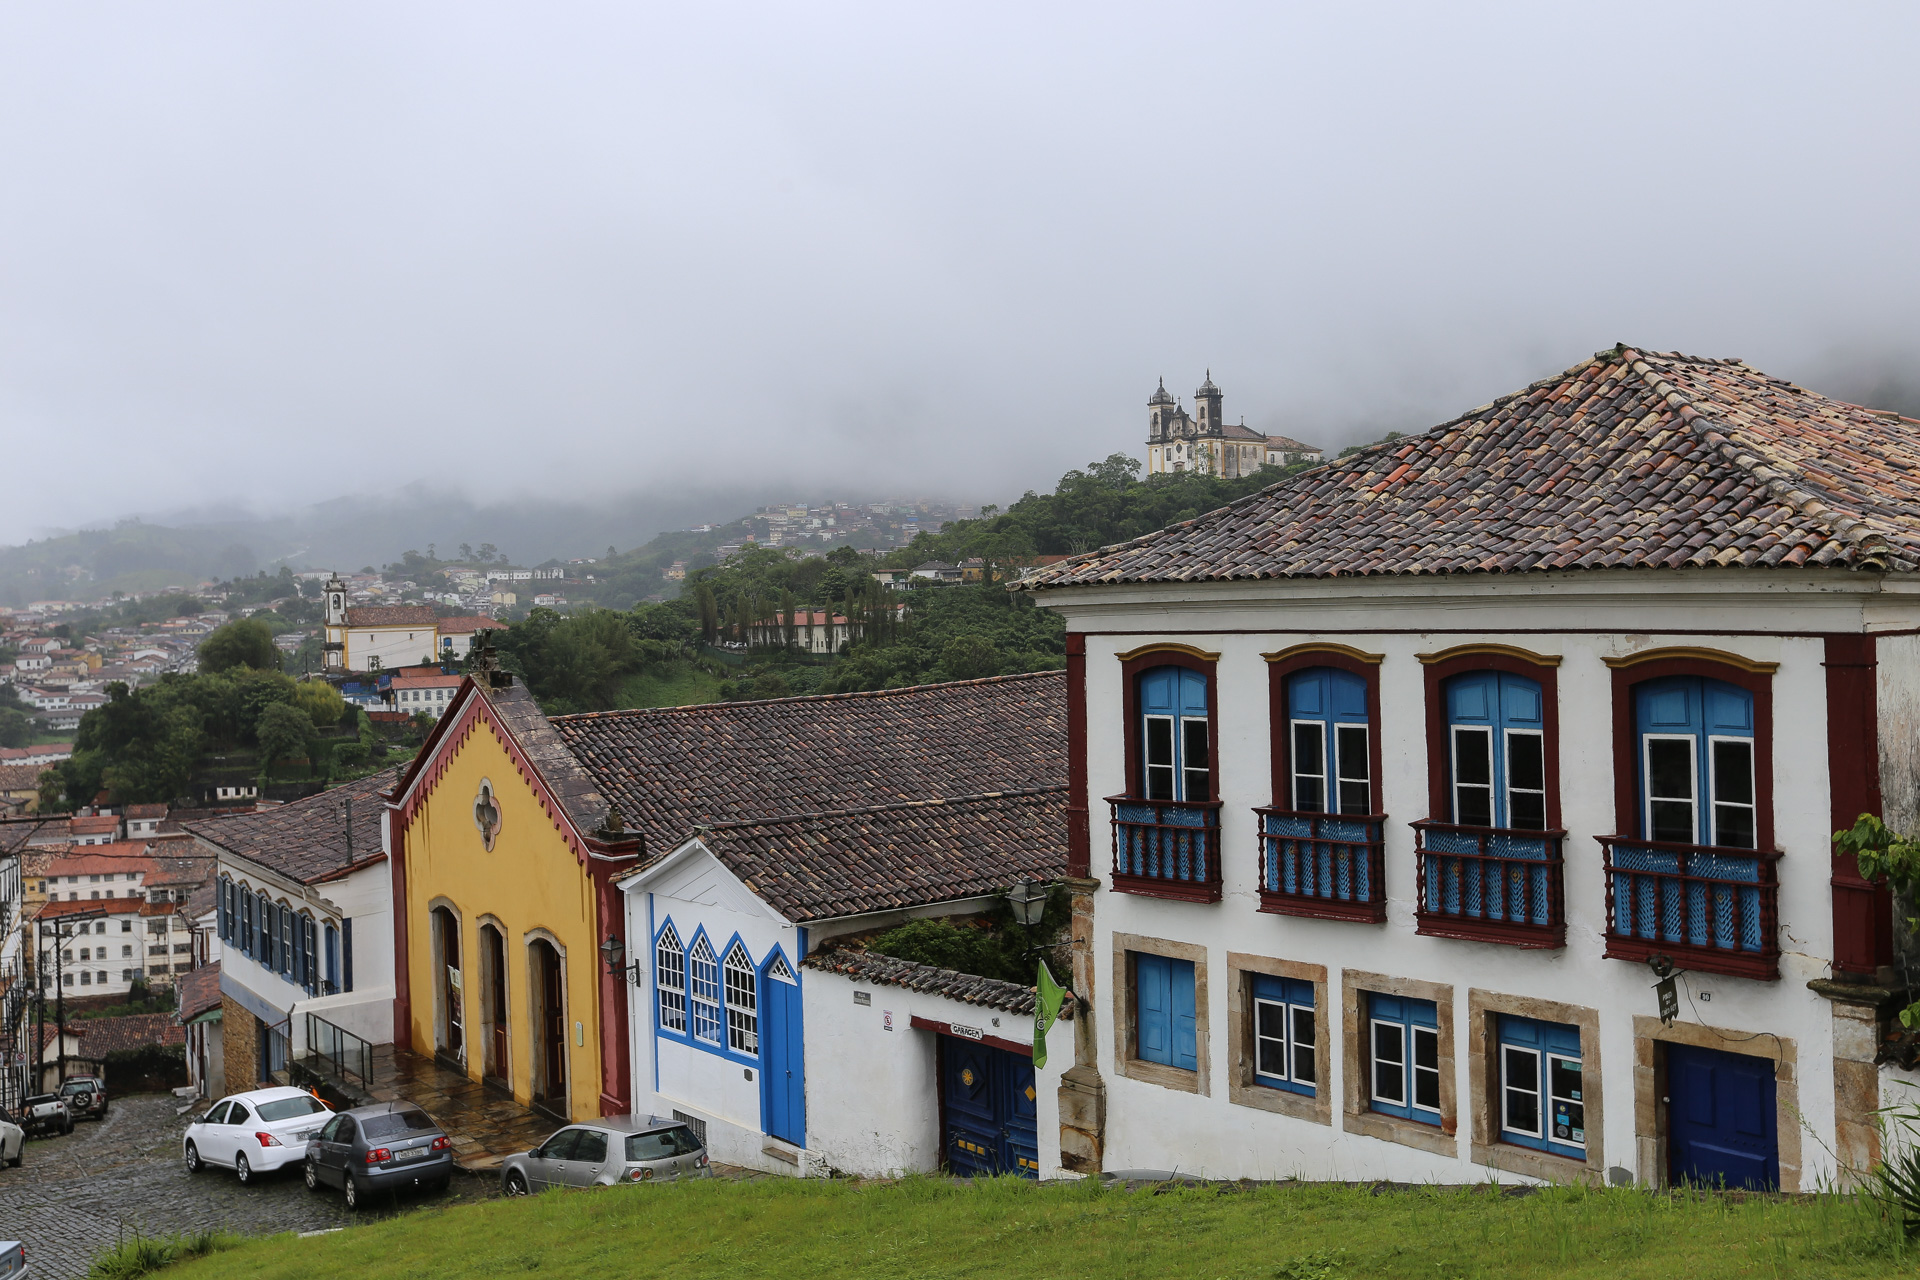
pixel 995 1042
pixel 1079 828
pixel 1862 910
pixel 1130 700
pixel 1626 751
pixel 616 1091
pixel 402 977
pixel 1439 758
pixel 1279 726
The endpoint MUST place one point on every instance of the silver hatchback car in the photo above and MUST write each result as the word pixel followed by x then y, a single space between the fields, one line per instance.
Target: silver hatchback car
pixel 602 1153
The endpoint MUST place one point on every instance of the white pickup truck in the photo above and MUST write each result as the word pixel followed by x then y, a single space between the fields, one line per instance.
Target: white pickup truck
pixel 13 1260
pixel 45 1113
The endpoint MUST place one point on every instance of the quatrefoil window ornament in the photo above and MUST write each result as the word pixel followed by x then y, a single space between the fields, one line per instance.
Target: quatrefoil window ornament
pixel 486 814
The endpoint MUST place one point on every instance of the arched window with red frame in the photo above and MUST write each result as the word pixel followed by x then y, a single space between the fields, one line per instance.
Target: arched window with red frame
pixel 1166 827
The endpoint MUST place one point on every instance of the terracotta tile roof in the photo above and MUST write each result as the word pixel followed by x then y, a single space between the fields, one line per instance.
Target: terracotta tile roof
pixel 462 626
pixel 197 991
pixel 1288 444
pixel 392 615
pixel 305 839
pixel 669 768
pixel 132 1031
pixel 93 824
pixel 425 682
pixel 1630 460
pixel 145 811
pixel 51 910
pixel 886 971
pixel 816 866
pixel 104 859
pixel 21 777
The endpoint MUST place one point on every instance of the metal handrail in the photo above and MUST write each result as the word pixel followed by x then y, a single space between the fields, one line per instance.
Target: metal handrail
pixel 344 1052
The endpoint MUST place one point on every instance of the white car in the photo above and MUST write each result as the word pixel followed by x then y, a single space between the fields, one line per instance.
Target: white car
pixel 254 1132
pixel 13 1144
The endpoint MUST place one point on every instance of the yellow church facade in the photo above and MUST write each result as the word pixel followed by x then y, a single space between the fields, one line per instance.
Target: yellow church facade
pixel 502 898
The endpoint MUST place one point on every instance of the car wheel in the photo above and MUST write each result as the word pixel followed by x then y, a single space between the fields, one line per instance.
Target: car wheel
pixel 353 1193
pixel 440 1188
pixel 69 1128
pixel 516 1183
pixel 242 1170
pixel 194 1163
pixel 312 1176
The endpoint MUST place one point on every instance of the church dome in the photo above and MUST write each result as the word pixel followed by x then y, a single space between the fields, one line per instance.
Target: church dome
pixel 1160 395
pixel 1207 388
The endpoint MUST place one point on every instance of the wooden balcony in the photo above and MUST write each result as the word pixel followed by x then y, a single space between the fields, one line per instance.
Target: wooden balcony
pixel 1166 849
pixel 1325 865
pixel 1490 884
pixel 1709 909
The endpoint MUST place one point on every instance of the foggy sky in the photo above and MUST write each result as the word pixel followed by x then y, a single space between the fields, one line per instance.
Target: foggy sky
pixel 262 255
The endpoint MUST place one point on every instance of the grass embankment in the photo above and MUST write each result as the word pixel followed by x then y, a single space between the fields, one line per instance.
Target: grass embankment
pixel 670 684
pixel 939 1228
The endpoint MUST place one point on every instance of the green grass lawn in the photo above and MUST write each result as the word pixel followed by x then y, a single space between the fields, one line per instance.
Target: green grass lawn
pixel 675 684
pixel 935 1228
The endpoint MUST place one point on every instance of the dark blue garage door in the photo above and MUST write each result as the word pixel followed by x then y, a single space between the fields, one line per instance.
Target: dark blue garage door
pixel 989 1110
pixel 1721 1123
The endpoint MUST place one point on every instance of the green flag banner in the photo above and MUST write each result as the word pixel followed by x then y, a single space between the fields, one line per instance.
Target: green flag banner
pixel 1049 996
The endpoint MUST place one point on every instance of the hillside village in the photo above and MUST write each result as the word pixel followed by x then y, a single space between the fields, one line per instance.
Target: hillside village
pixel 1364 840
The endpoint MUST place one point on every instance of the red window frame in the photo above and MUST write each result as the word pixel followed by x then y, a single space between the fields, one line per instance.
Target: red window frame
pixel 1305 657
pixel 1136 661
pixel 1543 669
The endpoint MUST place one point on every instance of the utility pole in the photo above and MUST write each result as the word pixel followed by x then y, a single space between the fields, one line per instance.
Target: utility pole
pixel 60 938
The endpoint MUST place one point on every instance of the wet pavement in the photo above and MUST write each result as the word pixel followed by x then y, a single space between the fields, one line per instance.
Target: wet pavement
pixel 485 1124
pixel 81 1193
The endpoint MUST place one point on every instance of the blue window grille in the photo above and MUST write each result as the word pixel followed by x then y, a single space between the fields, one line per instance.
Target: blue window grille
pixel 1324 852
pixel 1284 1034
pixel 1166 832
pixel 670 980
pixel 1689 883
pixel 1542 1101
pixel 1403 1047
pixel 1164 1011
pixel 704 984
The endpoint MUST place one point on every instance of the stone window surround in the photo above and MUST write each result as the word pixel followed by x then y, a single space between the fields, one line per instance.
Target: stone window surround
pixel 1359 1117
pixel 1126 1033
pixel 1241 1087
pixel 1483 1068
pixel 1650 1090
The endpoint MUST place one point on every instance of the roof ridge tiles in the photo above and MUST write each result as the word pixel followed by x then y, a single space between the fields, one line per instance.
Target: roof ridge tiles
pixel 584 716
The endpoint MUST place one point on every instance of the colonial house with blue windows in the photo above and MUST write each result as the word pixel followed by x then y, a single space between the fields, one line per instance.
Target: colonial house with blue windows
pixel 1398 787
pixel 660 911
pixel 303 912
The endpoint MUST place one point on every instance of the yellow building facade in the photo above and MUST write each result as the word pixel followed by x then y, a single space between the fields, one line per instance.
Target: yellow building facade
pixel 501 902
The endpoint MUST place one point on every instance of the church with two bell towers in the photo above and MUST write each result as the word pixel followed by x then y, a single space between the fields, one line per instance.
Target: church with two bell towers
pixel 1206 442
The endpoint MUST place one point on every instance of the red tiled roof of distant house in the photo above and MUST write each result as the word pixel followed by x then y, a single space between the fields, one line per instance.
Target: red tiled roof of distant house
pixel 93 824
pixel 21 777
pixel 104 859
pixel 391 615
pixel 197 991
pixel 1630 460
pixel 131 1031
pixel 144 811
pixel 459 626
pixel 1287 444
pixel 111 906
pixel 425 682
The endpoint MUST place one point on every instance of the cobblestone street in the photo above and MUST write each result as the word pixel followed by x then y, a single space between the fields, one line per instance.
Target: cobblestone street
pixel 111 1178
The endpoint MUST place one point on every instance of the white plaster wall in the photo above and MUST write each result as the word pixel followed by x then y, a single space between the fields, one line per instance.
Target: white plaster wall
pixel 402 647
pixel 873 1095
pixel 669 1074
pixel 1150 1126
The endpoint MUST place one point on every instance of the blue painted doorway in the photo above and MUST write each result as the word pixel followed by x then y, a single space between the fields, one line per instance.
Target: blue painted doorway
pixel 783 1086
pixel 989 1110
pixel 1721 1121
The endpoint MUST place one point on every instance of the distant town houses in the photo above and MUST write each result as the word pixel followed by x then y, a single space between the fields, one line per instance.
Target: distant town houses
pixel 1204 441
pixel 364 638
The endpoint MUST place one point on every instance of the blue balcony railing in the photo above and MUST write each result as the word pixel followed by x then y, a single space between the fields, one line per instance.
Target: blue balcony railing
pixel 1490 884
pixel 1166 849
pixel 1712 909
pixel 1331 866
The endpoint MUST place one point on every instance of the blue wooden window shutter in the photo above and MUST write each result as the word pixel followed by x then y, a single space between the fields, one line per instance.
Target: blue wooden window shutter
pixel 1164 1011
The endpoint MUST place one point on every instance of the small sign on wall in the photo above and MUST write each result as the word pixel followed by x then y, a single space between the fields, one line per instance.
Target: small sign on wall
pixel 886 1019
pixel 863 997
pixel 1669 1000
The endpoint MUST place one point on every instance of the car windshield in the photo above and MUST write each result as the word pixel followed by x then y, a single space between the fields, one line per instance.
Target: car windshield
pixel 661 1144
pixel 288 1108
pixel 398 1124
pixel 77 1086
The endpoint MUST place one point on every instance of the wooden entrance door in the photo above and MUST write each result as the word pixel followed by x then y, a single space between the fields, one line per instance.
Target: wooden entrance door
pixel 495 964
pixel 453 1031
pixel 551 1026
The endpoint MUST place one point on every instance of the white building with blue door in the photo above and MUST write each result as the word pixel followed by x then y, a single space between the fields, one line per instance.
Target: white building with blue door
pixel 1396 787
pixel 757 1016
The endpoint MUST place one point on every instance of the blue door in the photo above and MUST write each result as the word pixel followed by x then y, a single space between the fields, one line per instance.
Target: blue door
pixel 989 1110
pixel 783 1089
pixel 1721 1124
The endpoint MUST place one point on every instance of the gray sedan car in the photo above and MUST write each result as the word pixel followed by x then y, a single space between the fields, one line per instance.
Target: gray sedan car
pixel 388 1146
pixel 604 1152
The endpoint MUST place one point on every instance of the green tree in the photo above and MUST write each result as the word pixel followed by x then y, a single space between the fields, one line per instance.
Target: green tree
pixel 240 643
pixel 321 701
pixel 969 658
pixel 282 732
pixel 16 727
